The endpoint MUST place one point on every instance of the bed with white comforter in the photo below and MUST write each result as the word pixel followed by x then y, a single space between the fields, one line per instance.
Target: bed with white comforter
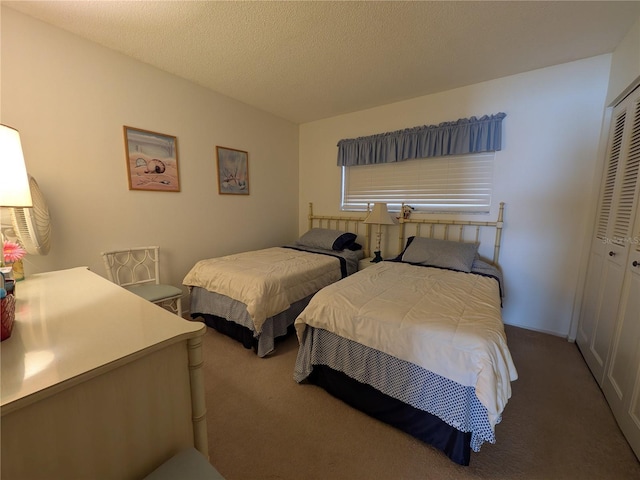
pixel 255 296
pixel 420 347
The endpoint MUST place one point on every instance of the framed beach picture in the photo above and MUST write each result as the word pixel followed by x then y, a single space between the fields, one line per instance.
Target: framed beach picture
pixel 152 160
pixel 233 171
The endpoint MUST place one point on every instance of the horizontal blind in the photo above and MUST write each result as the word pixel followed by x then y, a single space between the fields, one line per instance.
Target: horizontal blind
pixel 444 184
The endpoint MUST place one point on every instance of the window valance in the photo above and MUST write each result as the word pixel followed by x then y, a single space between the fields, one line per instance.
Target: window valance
pixel 466 135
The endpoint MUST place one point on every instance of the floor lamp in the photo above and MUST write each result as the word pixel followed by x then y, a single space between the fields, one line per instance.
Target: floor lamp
pixel 379 216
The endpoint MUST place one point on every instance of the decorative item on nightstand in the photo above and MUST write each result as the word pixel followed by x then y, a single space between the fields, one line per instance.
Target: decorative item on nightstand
pixel 379 216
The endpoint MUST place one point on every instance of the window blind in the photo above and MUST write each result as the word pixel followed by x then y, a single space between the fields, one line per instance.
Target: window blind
pixel 461 183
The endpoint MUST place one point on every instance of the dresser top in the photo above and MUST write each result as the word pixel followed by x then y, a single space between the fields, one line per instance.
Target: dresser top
pixel 70 323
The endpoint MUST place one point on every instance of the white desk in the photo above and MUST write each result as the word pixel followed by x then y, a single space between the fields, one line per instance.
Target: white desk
pixel 96 381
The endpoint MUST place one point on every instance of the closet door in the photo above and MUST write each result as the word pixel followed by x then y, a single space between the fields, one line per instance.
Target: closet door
pixel 609 251
pixel 621 383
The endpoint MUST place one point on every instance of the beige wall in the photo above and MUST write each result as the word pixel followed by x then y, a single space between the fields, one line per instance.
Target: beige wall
pixel 70 99
pixel 544 174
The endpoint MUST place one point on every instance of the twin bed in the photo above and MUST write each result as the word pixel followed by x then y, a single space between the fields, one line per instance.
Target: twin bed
pixel 254 297
pixel 417 341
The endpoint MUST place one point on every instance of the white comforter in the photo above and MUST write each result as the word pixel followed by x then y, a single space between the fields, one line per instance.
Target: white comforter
pixel 446 322
pixel 267 281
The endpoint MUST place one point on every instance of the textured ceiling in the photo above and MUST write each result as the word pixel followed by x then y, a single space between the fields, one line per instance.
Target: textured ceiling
pixel 305 61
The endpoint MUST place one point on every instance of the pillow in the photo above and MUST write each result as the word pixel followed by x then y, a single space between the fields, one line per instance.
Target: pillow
pixel 440 253
pixel 354 247
pixel 327 239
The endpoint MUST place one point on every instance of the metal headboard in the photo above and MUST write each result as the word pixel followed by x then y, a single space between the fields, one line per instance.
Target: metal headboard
pixel 456 230
pixel 347 224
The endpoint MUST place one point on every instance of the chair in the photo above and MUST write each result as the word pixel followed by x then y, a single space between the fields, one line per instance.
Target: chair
pixel 138 270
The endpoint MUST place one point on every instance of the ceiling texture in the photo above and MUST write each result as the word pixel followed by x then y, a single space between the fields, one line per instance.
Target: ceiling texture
pixel 308 60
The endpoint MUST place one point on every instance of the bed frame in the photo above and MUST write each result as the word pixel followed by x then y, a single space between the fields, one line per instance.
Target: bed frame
pixel 457 230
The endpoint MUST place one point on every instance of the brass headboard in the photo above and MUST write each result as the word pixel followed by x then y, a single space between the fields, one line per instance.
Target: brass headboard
pixel 457 230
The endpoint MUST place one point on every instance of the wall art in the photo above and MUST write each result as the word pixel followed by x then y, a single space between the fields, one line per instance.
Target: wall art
pixel 152 160
pixel 233 171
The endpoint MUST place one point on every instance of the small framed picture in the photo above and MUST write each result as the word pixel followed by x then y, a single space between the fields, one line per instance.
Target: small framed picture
pixel 233 171
pixel 152 160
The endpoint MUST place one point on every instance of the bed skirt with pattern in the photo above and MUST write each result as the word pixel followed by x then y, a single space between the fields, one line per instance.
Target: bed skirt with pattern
pixel 434 409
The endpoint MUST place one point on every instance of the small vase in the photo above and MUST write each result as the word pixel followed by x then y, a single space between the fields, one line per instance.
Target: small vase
pixel 18 270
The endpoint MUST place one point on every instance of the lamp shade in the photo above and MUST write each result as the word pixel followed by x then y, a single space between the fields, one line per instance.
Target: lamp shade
pixel 379 215
pixel 14 182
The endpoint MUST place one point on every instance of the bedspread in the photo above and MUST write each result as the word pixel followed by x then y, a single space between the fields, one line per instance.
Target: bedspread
pixel 267 281
pixel 443 321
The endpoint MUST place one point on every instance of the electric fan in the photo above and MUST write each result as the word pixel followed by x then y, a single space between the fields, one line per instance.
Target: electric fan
pixel 31 224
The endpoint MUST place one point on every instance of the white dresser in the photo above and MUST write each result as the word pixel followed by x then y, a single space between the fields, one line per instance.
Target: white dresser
pixel 97 382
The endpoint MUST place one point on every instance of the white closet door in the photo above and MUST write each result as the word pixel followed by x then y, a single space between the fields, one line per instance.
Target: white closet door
pixel 621 384
pixel 608 250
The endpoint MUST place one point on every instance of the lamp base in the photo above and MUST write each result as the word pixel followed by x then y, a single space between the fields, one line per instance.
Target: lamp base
pixel 377 258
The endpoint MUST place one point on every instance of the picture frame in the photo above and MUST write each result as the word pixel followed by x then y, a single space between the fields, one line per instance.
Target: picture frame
pixel 152 160
pixel 233 171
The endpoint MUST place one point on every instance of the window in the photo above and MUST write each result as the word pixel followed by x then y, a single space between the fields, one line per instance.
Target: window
pixel 462 183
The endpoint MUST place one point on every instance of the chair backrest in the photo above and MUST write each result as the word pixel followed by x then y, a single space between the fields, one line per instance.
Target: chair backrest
pixel 133 266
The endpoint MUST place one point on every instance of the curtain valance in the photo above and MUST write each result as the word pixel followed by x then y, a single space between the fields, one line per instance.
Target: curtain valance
pixel 466 135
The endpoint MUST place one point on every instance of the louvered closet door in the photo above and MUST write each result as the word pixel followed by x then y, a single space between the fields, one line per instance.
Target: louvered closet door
pixel 610 244
pixel 621 383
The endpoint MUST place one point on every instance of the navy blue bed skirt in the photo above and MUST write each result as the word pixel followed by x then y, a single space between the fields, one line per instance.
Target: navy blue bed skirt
pixel 418 423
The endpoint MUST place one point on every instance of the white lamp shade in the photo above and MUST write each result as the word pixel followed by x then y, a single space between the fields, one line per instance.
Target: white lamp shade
pixel 14 181
pixel 379 215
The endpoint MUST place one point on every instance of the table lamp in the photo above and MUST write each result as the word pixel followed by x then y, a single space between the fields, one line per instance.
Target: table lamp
pixel 14 181
pixel 14 192
pixel 379 216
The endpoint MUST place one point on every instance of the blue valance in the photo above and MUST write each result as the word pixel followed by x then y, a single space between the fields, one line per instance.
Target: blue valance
pixel 467 135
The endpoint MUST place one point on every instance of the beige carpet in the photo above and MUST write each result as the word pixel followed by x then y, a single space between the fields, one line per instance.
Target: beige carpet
pixel 263 425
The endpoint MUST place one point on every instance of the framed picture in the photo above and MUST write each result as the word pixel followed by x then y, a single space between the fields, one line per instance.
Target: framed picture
pixel 152 160
pixel 233 171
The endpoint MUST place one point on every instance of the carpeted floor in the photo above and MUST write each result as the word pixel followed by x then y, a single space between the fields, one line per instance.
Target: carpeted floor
pixel 263 425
